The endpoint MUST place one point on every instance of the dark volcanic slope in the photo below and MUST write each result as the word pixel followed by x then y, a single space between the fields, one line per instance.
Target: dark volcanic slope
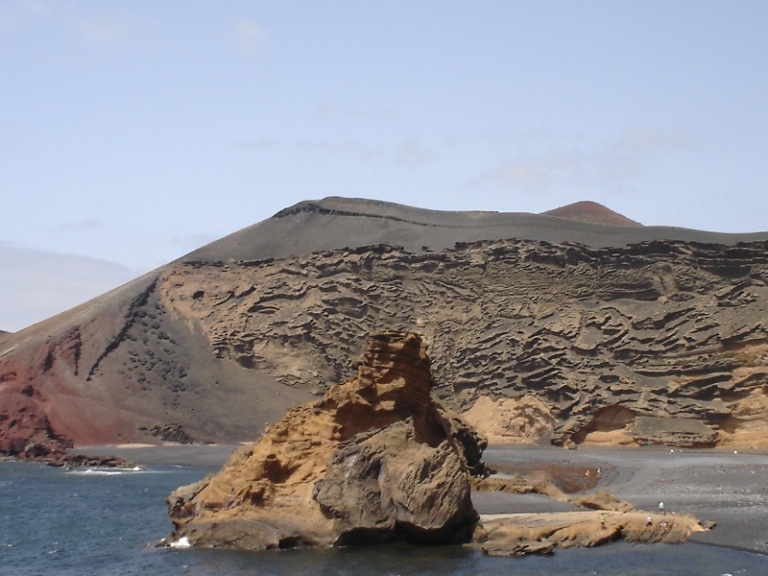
pixel 616 332
pixel 349 223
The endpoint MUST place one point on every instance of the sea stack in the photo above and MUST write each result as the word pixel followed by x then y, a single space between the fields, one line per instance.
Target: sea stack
pixel 376 459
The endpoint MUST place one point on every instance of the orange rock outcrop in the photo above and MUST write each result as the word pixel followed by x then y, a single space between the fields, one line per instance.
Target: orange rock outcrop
pixel 375 459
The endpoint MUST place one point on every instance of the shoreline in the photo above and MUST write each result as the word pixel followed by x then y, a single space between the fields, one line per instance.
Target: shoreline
pixel 167 454
pixel 718 486
pixel 714 485
pixel 176 451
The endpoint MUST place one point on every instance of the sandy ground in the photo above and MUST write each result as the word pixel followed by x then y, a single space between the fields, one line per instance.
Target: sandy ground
pixel 730 489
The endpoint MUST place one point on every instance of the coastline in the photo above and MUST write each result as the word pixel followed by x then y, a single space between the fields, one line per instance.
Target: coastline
pixel 724 487
pixel 168 454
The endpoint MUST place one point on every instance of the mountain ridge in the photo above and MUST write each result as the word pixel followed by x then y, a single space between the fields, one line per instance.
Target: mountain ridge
pixel 315 225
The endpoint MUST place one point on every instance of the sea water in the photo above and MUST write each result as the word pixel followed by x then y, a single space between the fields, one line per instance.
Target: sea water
pixel 57 522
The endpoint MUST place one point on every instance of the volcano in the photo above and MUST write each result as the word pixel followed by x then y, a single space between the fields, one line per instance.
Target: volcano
pixel 578 324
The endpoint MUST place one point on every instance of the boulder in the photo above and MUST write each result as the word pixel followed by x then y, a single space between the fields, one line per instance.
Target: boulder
pixel 387 485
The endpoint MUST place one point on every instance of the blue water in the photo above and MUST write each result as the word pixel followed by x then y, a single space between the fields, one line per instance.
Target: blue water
pixel 55 522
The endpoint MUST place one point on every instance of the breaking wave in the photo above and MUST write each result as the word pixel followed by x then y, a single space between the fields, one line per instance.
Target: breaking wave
pixel 108 471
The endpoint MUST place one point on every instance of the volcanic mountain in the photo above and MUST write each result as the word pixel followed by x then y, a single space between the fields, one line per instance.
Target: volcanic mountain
pixel 591 212
pixel 538 326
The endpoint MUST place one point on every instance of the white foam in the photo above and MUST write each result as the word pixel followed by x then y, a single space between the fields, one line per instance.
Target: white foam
pixel 181 543
pixel 97 472
pixel 107 471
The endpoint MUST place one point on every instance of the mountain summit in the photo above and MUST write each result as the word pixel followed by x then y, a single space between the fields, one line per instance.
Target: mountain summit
pixel 592 212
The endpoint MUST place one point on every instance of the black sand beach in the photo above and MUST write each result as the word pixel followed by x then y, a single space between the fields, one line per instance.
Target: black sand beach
pixel 729 489
pixel 205 455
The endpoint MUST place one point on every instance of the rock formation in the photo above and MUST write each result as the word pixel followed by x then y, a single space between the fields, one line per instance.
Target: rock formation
pixel 599 519
pixel 26 434
pixel 521 534
pixel 539 327
pixel 377 460
pixel 374 460
pixel 22 423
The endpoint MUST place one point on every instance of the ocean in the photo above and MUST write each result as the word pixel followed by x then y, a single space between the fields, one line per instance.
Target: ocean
pixel 56 522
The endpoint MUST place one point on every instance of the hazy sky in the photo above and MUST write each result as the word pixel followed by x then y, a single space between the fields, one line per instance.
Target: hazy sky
pixel 133 132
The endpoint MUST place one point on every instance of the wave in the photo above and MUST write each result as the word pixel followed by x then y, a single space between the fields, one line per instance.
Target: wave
pixel 107 471
pixel 180 544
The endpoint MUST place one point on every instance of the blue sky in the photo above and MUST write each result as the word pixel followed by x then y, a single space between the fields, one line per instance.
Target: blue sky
pixel 133 132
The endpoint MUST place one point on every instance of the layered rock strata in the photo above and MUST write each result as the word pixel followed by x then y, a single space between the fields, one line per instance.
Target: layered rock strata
pixel 376 459
pixel 661 343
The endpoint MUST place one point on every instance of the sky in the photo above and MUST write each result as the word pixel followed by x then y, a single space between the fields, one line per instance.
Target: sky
pixel 134 132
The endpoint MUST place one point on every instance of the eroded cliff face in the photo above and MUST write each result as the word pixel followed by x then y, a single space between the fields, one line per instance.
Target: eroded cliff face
pixel 374 460
pixel 663 342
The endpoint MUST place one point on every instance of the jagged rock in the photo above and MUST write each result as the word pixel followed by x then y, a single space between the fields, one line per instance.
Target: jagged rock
pixel 55 452
pixel 52 454
pixel 375 459
pixel 171 433
pixel 387 485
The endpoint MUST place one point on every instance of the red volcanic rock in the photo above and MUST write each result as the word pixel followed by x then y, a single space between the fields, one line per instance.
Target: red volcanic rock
pixel 24 422
pixel 26 432
pixel 591 212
